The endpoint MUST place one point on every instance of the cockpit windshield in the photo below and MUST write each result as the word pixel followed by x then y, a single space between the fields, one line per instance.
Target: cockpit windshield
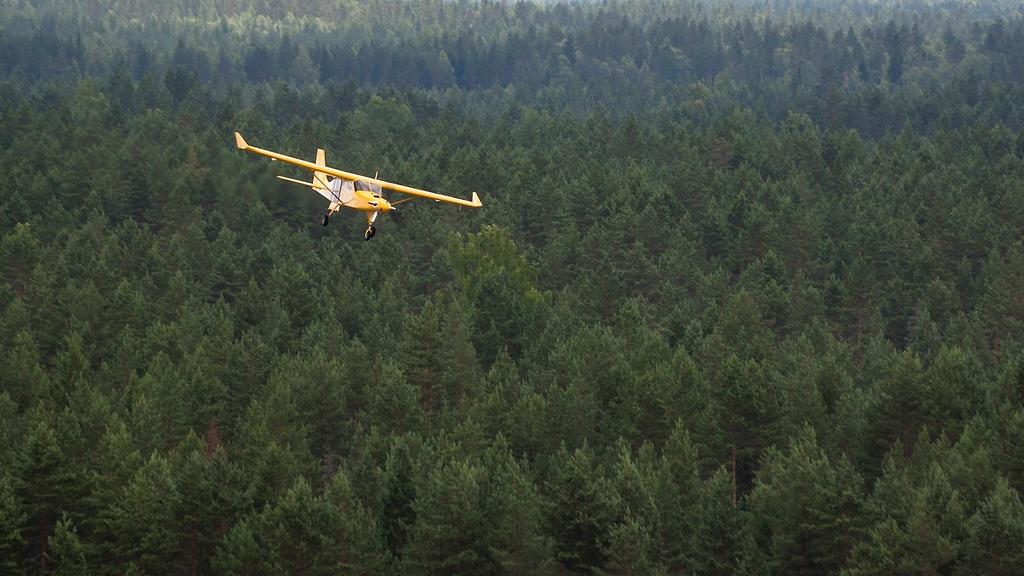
pixel 368 187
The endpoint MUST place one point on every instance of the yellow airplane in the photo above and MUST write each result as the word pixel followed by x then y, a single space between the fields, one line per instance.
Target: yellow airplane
pixel 349 190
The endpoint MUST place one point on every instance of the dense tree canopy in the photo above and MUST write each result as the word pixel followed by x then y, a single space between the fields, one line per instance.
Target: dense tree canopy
pixel 746 294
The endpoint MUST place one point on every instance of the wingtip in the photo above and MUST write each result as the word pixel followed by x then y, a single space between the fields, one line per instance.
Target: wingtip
pixel 240 142
pixel 476 200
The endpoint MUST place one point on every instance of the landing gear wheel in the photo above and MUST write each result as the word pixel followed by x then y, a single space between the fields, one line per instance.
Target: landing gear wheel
pixel 370 231
pixel 325 219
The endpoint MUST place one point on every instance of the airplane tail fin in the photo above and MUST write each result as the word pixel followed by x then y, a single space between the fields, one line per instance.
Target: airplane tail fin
pixel 320 180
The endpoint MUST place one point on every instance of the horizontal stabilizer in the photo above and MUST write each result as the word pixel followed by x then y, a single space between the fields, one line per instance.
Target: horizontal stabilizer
pixel 294 181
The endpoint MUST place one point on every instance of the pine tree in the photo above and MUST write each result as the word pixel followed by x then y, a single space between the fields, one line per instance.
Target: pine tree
pixel 995 535
pixel 21 374
pixel 477 518
pixel 678 500
pixel 718 530
pixel 45 488
pixel 629 549
pixel 290 535
pixel 114 463
pixel 580 513
pixel 399 497
pixel 517 539
pixel 450 531
pixel 353 532
pixel 12 523
pixel 810 506
pixel 66 550
pixel 239 553
pixel 19 252
pixel 441 361
pixel 499 283
pixel 146 521
pixel 393 403
pixel 918 526
pixel 205 495
pixel 900 412
pixel 747 407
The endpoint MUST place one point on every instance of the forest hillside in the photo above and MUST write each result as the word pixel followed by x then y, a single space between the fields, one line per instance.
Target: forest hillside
pixel 745 296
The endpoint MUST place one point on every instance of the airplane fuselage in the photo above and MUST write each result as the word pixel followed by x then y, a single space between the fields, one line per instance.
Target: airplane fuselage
pixel 367 201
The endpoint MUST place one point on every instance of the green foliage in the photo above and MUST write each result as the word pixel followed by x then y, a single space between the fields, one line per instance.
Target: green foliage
pixel 12 520
pixel 477 518
pixel 46 486
pixel 996 534
pixel 810 506
pixel 920 522
pixel 580 512
pixel 145 518
pixel 287 535
pixel 66 550
pixel 744 296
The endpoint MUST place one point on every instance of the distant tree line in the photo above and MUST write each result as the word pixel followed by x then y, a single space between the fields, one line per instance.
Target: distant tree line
pixel 854 64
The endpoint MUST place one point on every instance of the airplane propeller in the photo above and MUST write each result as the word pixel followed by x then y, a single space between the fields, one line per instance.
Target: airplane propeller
pixel 376 189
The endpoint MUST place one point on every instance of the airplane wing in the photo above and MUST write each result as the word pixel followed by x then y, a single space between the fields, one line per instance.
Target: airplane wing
pixel 312 167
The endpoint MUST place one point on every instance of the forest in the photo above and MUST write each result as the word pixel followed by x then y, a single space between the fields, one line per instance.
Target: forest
pixel 746 294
